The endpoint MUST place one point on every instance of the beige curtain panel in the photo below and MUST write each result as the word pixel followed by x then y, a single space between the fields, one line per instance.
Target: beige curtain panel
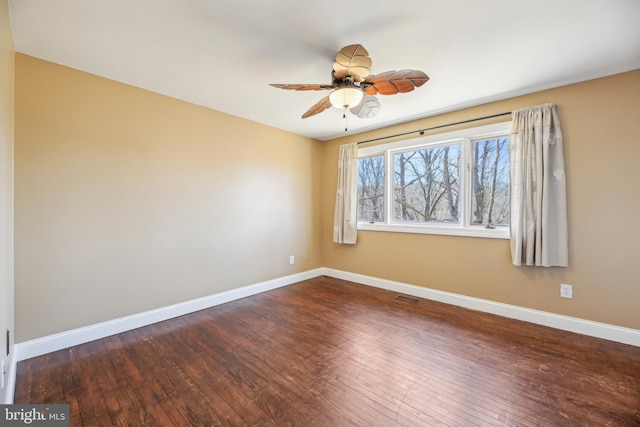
pixel 345 221
pixel 538 189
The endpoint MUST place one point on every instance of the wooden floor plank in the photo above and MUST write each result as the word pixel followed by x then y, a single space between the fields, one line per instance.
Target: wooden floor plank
pixel 327 352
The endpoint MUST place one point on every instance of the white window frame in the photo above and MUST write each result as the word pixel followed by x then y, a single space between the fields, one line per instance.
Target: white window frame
pixel 465 137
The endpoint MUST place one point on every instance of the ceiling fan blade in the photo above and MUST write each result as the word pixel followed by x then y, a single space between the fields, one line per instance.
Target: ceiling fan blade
pixel 368 108
pixel 393 82
pixel 354 61
pixel 303 87
pixel 318 107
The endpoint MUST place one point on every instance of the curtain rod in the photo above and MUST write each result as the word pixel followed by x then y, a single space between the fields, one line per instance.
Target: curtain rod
pixel 422 131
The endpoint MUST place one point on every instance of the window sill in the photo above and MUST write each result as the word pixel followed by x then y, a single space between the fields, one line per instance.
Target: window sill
pixel 496 233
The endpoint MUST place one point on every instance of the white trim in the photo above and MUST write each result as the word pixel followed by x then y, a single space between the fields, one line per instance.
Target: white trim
pixel 28 349
pixel 10 385
pixel 39 346
pixel 557 321
pixel 472 231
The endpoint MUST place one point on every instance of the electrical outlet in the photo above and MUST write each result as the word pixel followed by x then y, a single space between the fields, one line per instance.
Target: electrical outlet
pixel 566 291
pixel 292 260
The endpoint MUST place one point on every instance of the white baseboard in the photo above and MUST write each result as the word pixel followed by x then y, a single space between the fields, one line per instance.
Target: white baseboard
pixel 39 346
pixel 571 324
pixel 10 385
pixel 28 349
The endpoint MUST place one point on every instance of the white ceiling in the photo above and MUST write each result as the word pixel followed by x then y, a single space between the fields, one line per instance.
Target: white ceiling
pixel 223 54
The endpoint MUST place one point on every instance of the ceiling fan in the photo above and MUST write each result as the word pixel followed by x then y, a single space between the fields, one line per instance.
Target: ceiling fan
pixel 353 87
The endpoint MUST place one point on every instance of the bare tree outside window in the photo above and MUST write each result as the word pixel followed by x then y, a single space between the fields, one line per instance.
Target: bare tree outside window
pixel 454 183
pixel 490 198
pixel 426 185
pixel 371 189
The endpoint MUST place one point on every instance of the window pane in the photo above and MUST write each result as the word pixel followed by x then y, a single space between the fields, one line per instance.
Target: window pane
pixel 371 188
pixel 490 180
pixel 426 185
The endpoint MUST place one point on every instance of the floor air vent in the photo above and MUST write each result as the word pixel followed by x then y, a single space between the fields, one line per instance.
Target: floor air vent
pixel 407 299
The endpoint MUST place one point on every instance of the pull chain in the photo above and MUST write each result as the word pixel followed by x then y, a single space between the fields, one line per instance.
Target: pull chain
pixel 344 116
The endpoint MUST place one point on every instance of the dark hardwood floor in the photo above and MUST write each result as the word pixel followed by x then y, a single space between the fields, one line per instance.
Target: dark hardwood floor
pixel 326 352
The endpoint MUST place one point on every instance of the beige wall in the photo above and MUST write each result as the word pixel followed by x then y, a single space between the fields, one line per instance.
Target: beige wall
pixel 601 124
pixel 6 184
pixel 128 200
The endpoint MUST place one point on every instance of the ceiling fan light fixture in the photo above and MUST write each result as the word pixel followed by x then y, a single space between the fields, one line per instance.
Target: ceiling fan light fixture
pixel 346 97
pixel 353 86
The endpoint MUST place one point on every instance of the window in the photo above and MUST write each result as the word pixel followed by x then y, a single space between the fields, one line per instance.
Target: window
pixel 455 183
pixel 490 182
pixel 371 188
pixel 426 185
